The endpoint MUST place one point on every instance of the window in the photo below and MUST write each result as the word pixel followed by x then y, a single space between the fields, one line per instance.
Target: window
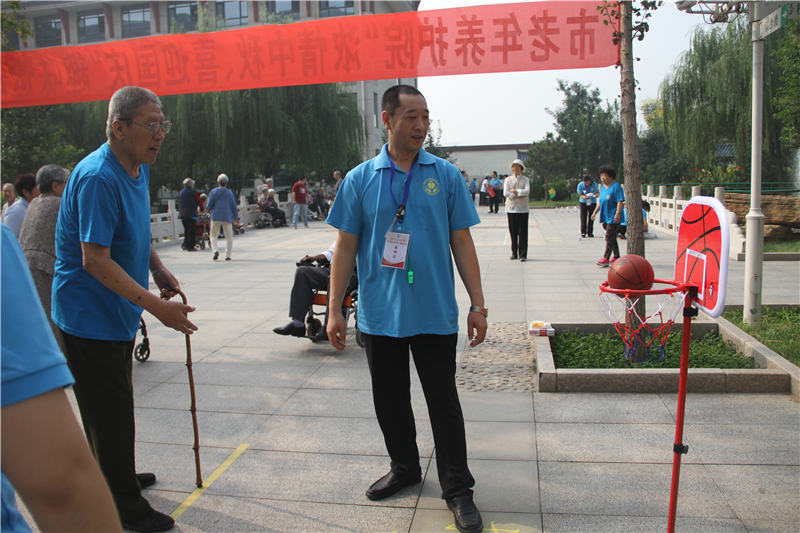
pixel 231 14
pixel 182 16
pixel 136 21
pixel 91 26
pixel 284 8
pixel 522 155
pixel 335 8
pixel 47 30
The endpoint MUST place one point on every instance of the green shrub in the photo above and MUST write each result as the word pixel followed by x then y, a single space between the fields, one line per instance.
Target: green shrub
pixel 574 350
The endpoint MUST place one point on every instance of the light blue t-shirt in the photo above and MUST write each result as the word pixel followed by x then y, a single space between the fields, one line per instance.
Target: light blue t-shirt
pixel 221 205
pixel 102 204
pixel 623 220
pixel 438 203
pixel 609 198
pixel 583 189
pixel 30 361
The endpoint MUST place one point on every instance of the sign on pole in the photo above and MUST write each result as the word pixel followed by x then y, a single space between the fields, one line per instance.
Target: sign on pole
pixel 778 18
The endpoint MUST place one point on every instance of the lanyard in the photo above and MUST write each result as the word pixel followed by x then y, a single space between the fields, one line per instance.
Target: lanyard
pixel 401 206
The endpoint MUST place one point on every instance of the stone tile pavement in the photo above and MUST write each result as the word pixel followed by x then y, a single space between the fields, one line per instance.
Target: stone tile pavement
pixel 289 441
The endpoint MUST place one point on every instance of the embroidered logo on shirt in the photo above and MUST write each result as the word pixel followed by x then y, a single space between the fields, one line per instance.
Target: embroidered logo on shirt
pixel 430 186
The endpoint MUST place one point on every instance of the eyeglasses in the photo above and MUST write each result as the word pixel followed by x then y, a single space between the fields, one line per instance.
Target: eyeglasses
pixel 155 126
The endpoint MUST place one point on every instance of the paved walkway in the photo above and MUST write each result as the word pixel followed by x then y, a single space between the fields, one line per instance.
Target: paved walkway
pixel 289 441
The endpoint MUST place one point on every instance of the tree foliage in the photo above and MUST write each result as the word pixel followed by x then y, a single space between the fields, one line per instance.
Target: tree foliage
pixel 285 131
pixel 13 24
pixel 787 94
pixel 707 99
pixel 590 132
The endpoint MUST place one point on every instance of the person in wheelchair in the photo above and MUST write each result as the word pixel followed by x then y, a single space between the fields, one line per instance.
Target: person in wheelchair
pixel 268 204
pixel 312 274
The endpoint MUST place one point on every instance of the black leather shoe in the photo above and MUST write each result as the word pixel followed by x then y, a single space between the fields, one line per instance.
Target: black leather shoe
pixel 391 483
pixel 291 329
pixel 513 257
pixel 146 479
pixel 467 517
pixel 151 522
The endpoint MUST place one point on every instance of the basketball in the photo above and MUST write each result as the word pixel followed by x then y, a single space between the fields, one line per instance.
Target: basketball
pixel 631 272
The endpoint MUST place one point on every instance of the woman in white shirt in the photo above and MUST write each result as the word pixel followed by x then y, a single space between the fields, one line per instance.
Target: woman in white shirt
pixel 517 189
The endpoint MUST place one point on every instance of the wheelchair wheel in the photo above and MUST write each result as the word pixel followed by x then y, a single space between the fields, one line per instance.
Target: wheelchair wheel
pixel 142 351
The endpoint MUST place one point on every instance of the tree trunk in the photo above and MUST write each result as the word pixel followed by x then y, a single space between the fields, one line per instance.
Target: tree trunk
pixel 630 151
pixel 630 138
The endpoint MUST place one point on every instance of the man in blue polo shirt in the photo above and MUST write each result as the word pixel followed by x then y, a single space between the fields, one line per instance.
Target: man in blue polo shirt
pixel 400 215
pixel 103 262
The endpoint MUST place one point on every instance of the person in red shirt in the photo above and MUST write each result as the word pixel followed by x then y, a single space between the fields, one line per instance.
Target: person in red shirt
pixel 300 201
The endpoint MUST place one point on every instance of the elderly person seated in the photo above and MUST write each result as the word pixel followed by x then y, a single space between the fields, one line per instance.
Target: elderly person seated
pixel 268 204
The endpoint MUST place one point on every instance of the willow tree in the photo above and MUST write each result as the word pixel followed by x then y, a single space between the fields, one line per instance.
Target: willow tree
pixel 707 98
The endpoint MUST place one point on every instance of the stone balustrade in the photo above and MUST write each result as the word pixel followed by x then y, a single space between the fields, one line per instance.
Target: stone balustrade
pixel 166 228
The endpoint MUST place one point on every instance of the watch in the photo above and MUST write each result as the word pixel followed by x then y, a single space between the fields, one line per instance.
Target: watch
pixel 477 309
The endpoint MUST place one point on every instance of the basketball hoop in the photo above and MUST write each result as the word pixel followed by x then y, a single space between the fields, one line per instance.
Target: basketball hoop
pixel 649 331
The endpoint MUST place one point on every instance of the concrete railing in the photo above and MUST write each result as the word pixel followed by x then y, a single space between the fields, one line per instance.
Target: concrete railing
pixel 167 228
pixel 665 213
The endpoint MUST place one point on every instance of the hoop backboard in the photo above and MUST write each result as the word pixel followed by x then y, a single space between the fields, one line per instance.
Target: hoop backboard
pixel 702 255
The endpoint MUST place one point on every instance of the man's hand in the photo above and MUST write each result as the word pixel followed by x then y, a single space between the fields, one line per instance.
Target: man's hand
pixel 476 328
pixel 336 329
pixel 174 315
pixel 166 282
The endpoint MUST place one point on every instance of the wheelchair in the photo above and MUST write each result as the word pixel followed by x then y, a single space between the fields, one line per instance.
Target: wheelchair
pixel 349 308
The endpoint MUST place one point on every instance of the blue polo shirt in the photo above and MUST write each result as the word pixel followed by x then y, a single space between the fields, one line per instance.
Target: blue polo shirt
pixel 438 203
pixel 583 189
pixel 609 198
pixel 30 361
pixel 102 204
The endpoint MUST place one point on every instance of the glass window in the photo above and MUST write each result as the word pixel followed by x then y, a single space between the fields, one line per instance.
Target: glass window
pixel 136 21
pixel 285 8
pixel 47 30
pixel 231 14
pixel 91 26
pixel 182 16
pixel 336 8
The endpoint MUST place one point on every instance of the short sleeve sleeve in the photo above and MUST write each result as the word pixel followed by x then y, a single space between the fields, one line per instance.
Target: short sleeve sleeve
pixel 98 211
pixel 346 213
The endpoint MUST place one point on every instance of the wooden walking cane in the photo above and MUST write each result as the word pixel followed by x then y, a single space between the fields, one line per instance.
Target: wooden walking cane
pixel 192 407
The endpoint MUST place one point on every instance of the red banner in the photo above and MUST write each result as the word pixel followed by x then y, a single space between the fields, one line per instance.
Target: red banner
pixel 469 40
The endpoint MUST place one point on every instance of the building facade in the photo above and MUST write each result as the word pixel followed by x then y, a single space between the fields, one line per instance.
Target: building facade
pixel 60 23
pixel 481 160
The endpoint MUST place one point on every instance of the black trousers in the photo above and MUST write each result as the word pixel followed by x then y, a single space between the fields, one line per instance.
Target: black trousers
pixel 188 233
pixel 494 202
pixel 483 198
pixel 518 228
pixel 587 224
pixel 277 214
pixel 435 359
pixel 104 390
pixel 611 241
pixel 306 279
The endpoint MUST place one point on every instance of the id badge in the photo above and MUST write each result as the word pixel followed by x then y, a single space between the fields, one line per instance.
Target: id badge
pixel 395 249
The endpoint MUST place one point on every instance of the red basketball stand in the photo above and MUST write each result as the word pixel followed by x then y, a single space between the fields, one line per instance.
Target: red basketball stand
pixel 701 268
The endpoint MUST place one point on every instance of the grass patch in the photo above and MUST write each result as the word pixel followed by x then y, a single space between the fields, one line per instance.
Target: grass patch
pixel 783 246
pixel 575 350
pixel 778 329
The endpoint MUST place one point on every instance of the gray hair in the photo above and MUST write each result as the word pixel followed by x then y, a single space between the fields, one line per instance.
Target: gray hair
pixel 48 174
pixel 222 179
pixel 125 102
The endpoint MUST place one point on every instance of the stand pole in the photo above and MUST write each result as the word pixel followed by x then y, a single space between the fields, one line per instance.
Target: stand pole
pixel 679 448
